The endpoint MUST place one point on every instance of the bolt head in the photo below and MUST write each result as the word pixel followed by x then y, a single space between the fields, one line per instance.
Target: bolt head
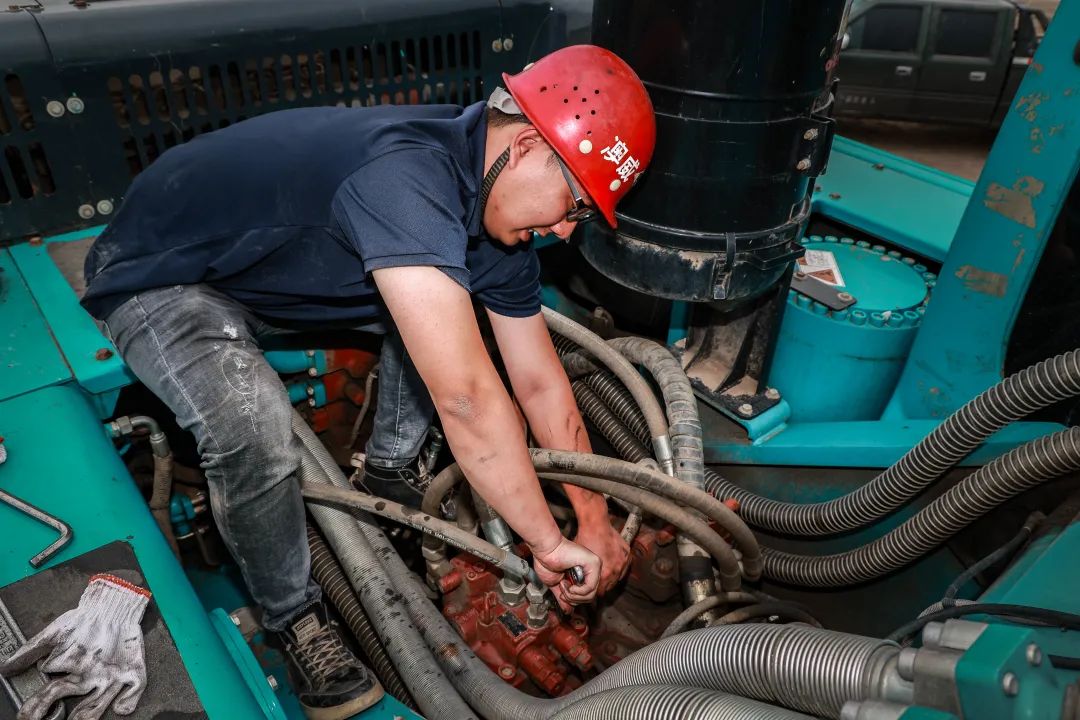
pixel 86 211
pixel 75 105
pixel 772 394
pixel 311 402
pixel 103 354
pixel 834 196
pixel 1010 684
pixel 534 594
pixel 810 134
pixel 235 619
pixel 312 372
pixel 508 44
pixel 55 108
pixel 1034 655
pixel 746 409
pixel 36 240
pixel 803 164
pixel 497 45
pixel 844 297
pixel 506 672
pixel 104 207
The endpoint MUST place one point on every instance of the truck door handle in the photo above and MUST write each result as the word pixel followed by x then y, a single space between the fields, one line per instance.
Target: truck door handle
pixel 977 76
pixel 903 70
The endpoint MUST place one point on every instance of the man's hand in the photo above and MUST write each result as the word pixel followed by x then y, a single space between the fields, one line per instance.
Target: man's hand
pixel 601 538
pixel 551 566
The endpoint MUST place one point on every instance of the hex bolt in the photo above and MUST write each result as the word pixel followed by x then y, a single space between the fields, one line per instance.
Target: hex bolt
pixel 55 108
pixel 508 44
pixel 845 297
pixel 75 105
pixel 104 207
pixel 497 45
pixel 746 409
pixel 772 394
pixel 810 134
pixel 272 682
pixel 1010 684
pixel 1034 655
pixel 86 211
pixel 803 164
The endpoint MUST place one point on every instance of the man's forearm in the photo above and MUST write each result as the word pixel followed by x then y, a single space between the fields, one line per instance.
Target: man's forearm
pixel 489 445
pixel 557 425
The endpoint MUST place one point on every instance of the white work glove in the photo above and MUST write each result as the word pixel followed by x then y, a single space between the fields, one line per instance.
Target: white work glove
pixel 96 647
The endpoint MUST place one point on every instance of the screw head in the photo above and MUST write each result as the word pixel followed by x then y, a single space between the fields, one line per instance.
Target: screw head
pixel 746 409
pixel 86 211
pixel 35 240
pixel 104 207
pixel 55 108
pixel 103 354
pixel 834 196
pixel 309 390
pixel 272 682
pixel 810 134
pixel 75 105
pixel 497 45
pixel 312 372
pixel 1034 655
pixel 311 402
pixel 772 394
pixel 1010 684
pixel 506 672
pixel 803 164
pixel 235 619
pixel 508 44
pixel 844 297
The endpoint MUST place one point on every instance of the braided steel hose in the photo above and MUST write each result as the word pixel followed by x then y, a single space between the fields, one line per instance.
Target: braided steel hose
pixel 331 578
pixel 1015 397
pixel 672 702
pixel 1023 468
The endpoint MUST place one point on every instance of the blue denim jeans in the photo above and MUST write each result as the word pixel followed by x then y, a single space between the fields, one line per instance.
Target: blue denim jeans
pixel 198 350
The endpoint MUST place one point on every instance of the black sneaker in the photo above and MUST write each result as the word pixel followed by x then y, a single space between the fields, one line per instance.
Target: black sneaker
pixel 405 485
pixel 330 681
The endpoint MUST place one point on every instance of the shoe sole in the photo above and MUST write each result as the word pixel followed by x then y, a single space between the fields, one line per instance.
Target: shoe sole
pixel 345 710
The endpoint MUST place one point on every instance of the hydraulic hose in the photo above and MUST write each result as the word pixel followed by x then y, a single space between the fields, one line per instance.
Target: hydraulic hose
pixel 331 578
pixel 161 487
pixel 1005 551
pixel 687 522
pixel 627 474
pixel 631 378
pixel 672 702
pixel 1020 469
pixel 660 484
pixel 625 444
pixel 413 659
pixel 619 400
pixel 788 611
pixel 692 613
pixel 503 559
pixel 1015 397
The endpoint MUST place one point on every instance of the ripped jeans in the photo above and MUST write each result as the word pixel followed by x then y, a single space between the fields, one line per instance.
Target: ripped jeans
pixel 198 350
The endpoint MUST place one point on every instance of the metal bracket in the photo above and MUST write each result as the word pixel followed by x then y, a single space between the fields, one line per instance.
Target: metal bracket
pixel 822 292
pixel 23 686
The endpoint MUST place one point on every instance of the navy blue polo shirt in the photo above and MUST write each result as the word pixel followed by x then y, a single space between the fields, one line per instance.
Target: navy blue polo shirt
pixel 289 212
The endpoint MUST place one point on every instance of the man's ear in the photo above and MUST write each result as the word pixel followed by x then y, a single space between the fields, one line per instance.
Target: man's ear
pixel 526 140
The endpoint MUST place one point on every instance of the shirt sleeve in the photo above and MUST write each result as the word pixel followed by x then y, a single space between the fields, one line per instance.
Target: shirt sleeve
pixel 404 209
pixel 517 294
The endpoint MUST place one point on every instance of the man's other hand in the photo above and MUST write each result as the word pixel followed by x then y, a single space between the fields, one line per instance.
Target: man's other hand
pixel 601 538
pixel 552 566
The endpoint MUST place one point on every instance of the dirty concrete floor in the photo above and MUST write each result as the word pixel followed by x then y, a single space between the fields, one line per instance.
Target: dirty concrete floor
pixel 955 149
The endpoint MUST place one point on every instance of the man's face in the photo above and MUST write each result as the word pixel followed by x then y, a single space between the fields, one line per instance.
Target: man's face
pixel 531 194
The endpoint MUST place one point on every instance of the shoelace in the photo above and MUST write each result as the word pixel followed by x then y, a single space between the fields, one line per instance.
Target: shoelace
pixel 323 655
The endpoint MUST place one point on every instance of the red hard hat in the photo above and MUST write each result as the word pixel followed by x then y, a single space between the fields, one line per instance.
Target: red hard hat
pixel 594 112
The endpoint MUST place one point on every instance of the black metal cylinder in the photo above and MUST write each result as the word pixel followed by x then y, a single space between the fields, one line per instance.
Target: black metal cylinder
pixel 742 93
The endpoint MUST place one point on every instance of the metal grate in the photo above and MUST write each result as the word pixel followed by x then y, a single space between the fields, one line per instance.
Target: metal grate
pixel 160 109
pixel 24 169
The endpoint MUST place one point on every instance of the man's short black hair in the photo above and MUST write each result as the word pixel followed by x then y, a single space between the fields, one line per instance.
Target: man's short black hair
pixel 497 118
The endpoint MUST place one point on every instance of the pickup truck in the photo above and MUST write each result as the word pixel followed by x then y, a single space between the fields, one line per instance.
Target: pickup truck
pixel 957 61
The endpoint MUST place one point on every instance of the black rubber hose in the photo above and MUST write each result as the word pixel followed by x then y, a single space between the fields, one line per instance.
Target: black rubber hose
pixel 692 613
pixel 1015 397
pixel 331 578
pixel 1023 468
pixel 1005 551
pixel 1043 616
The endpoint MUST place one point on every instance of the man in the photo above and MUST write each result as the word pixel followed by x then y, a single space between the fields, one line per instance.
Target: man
pixel 391 217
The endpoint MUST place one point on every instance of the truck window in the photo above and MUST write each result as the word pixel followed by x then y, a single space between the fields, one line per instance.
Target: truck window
pixel 886 28
pixel 969 33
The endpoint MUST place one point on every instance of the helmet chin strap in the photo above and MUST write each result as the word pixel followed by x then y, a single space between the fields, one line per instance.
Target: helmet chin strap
pixel 489 180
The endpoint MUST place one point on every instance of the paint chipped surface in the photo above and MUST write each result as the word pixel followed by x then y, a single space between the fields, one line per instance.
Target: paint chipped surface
pixel 982 281
pixel 1028 105
pixel 1015 203
pixel 230 331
